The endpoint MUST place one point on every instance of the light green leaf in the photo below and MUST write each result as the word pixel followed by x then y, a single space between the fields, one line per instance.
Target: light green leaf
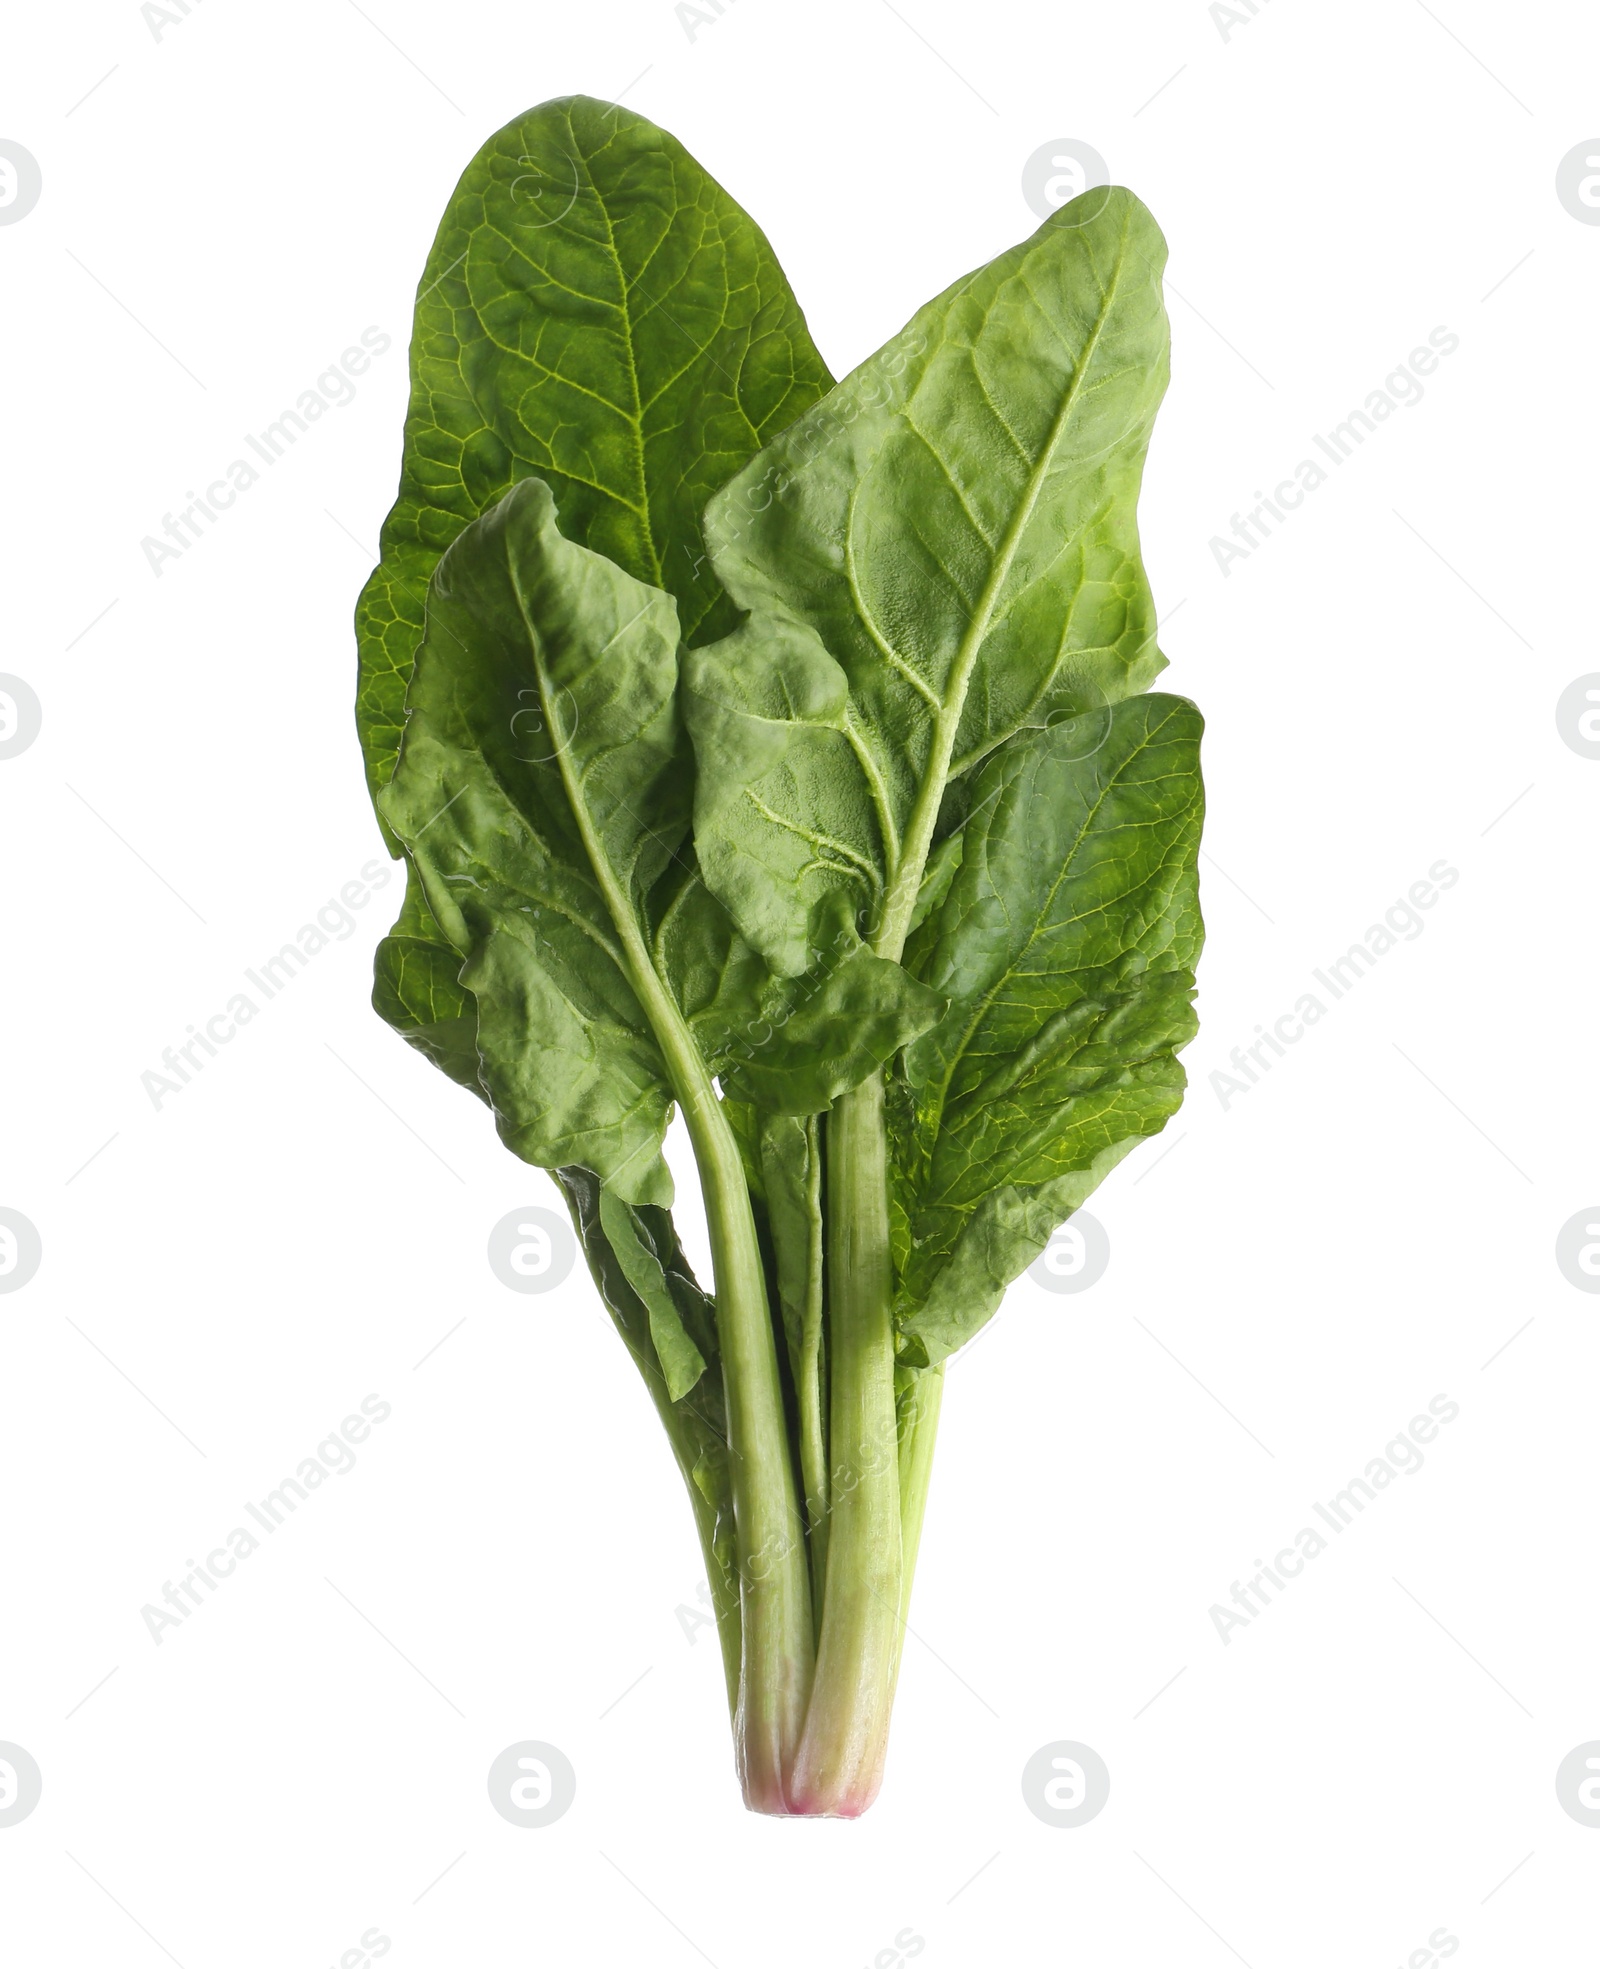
pixel 1065 948
pixel 941 553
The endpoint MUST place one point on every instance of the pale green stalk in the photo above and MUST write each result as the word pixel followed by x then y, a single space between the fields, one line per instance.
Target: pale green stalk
pixel 840 1764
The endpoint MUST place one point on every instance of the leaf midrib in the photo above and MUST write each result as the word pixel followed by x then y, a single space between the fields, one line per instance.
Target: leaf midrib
pixel 685 1071
pixel 891 936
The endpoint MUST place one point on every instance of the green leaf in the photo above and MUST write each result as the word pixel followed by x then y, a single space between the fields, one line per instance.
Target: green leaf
pixel 1065 948
pixel 682 1362
pixel 997 1243
pixel 541 791
pixel 417 989
pixel 620 1241
pixel 789 1046
pixel 598 311
pixel 633 343
pixel 543 794
pixel 941 553
pixel 819 1035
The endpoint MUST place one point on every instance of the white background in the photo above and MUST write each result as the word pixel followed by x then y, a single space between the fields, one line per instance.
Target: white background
pixel 1292 1277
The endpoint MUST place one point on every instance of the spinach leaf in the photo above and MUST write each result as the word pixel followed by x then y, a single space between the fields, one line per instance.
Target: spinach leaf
pixel 939 554
pixel 1065 948
pixel 540 794
pixel 597 310
pixel 682 1362
pixel 786 1046
pixel 543 793
pixel 417 990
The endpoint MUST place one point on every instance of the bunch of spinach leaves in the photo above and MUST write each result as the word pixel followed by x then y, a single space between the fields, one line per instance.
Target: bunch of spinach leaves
pixel 780 753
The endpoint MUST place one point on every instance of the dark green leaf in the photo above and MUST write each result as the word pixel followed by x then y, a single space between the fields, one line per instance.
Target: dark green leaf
pixel 790 1046
pixel 541 791
pixel 417 989
pixel 543 794
pixel 1065 948
pixel 598 311
pixel 682 1362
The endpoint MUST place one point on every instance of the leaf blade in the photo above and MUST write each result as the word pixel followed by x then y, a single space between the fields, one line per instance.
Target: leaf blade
pixel 598 311
pixel 539 794
pixel 941 553
pixel 681 1361
pixel 1065 947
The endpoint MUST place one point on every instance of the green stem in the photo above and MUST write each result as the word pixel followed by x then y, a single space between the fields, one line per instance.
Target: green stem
pixel 813 1443
pixel 921 1397
pixel 724 1586
pixel 775 1596
pixel 840 1763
